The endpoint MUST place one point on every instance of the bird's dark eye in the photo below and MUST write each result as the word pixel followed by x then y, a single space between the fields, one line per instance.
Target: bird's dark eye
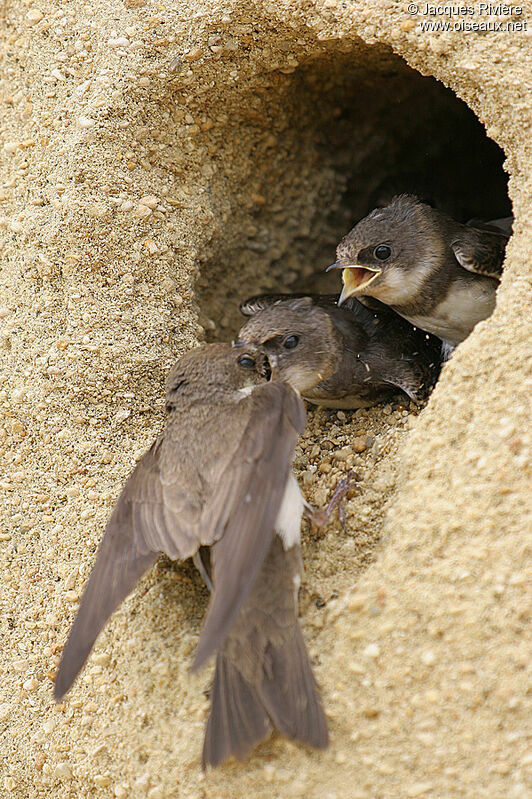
pixel 382 252
pixel 246 362
pixel 291 342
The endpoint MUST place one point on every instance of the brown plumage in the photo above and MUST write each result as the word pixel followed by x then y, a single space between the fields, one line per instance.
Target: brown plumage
pixel 218 476
pixel 263 677
pixel 439 274
pixel 349 357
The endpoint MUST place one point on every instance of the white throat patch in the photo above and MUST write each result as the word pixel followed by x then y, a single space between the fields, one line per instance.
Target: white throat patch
pixel 399 286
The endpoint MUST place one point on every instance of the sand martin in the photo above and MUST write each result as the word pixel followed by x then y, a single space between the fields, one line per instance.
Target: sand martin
pixel 219 477
pixel 439 274
pixel 348 357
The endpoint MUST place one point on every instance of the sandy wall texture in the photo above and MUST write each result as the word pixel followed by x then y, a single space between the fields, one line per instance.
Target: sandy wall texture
pixel 160 159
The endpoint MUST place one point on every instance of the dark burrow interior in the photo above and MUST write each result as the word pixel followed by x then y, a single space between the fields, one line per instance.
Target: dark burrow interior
pixel 307 154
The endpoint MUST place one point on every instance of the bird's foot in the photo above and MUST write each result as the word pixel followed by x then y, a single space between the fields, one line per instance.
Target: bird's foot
pixel 321 517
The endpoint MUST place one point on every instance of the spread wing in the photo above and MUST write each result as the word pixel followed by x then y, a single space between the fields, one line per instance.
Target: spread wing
pixel 480 248
pixel 242 512
pixel 178 498
pixel 143 524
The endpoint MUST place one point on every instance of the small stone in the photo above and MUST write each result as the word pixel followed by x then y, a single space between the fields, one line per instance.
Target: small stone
pixel 359 444
pixel 418 789
pixel 101 780
pixel 142 783
pixel 357 601
pixel 372 651
pixel 151 246
pixel 40 760
pixel 4 312
pixel 308 477
pixel 85 122
pixel 101 659
pixel 30 685
pixel 70 581
pixel 142 211
pixel 150 200
pixel 342 454
pixel 156 792
pixel 371 712
pixel 34 16
pixel 194 54
pixel 63 771
pixel 11 146
pixel 428 658
pixel 71 596
pixel 5 710
pixel 437 44
pixel 120 41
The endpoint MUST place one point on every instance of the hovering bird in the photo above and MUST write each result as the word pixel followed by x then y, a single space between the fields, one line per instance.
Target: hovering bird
pixel 437 273
pixel 348 357
pixel 217 485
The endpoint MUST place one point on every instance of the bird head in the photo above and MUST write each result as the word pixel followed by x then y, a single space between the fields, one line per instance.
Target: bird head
pixel 388 253
pixel 298 340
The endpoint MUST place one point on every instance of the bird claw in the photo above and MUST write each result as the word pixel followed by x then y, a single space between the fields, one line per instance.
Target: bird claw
pixel 321 517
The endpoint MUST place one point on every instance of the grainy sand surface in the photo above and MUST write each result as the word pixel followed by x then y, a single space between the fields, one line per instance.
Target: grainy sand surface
pixel 160 160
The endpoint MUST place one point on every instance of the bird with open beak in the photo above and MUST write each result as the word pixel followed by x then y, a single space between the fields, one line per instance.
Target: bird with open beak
pixel 217 486
pixel 437 273
pixel 348 357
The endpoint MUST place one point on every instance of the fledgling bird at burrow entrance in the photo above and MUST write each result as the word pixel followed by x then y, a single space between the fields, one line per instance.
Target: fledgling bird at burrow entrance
pixel 348 357
pixel 437 273
pixel 219 476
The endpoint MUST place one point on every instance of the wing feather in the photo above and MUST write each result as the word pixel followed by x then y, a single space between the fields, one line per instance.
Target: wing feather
pixel 481 249
pixel 169 505
pixel 141 526
pixel 244 507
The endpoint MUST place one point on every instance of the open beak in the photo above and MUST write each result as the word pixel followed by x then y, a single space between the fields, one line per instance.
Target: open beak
pixel 355 279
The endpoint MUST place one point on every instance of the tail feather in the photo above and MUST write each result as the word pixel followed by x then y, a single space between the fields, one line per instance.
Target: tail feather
pixel 290 694
pixel 237 720
pixel 242 715
pixel 263 678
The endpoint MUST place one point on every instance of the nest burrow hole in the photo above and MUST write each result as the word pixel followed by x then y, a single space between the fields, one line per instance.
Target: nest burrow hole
pixel 307 154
